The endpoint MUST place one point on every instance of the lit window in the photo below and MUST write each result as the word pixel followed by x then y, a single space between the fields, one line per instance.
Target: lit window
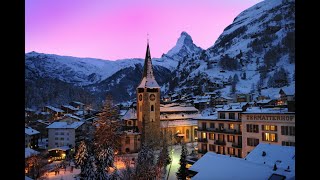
pixel 204 135
pixel 272 137
pixel 231 126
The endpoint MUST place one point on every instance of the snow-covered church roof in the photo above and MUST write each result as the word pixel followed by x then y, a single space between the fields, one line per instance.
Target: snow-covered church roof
pixel 148 79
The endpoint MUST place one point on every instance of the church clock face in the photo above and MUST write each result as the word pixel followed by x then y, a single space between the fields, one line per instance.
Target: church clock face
pixel 140 97
pixel 152 97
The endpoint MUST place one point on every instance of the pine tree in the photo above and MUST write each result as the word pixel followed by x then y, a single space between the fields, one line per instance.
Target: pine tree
pixel 253 88
pixel 84 158
pixel 164 158
pixel 127 173
pixel 230 79
pixel 89 172
pixel 81 155
pixel 233 88
pixel 145 168
pixel 183 171
pixel 244 75
pixel 235 78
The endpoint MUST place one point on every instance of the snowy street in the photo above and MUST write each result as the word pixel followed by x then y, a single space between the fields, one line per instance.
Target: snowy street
pixel 176 152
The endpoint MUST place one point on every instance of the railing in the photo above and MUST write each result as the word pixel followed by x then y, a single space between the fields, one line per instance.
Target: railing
pixel 200 151
pixel 203 140
pixel 217 142
pixel 236 145
pixel 218 130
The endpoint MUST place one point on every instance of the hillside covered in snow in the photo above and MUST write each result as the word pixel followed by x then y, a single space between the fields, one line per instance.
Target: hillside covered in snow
pixel 254 54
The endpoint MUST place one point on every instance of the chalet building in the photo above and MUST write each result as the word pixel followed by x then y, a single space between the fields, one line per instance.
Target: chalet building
pixel 201 102
pixel 28 152
pixel 55 112
pixel 286 94
pixel 267 125
pixel 243 97
pixel 77 104
pixel 221 133
pixel 221 101
pixel 68 109
pixel 31 138
pixel 29 112
pixel 266 103
pixel 64 134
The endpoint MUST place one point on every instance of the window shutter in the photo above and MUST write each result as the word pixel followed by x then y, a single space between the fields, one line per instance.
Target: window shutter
pixel 247 127
pixel 276 137
pixel 263 127
pixel 275 128
pixel 282 130
pixel 263 137
pixel 257 128
pixel 228 138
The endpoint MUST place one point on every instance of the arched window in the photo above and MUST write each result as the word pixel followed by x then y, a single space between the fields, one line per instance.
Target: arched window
pixel 152 108
pixel 187 132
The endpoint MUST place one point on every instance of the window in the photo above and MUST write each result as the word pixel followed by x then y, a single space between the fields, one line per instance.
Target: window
pixel 127 140
pixel 232 116
pixel 271 137
pixel 129 123
pixel 56 138
pixel 204 135
pixel 252 142
pixel 231 151
pixel 152 108
pixel 56 133
pixel 62 133
pixel 62 139
pixel 195 132
pixel 204 125
pixel 287 143
pixel 222 115
pixel 68 134
pixel 221 126
pixel 211 125
pixel 212 147
pixel 231 126
pixel 56 144
pixel 230 138
pixel 252 128
pixel 211 136
pixel 187 133
pixel 288 130
pixel 269 127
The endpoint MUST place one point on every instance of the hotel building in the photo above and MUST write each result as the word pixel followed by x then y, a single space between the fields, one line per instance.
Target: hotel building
pixel 267 125
pixel 221 132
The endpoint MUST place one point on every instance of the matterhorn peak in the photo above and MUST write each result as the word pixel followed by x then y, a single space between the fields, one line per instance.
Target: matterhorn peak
pixel 183 46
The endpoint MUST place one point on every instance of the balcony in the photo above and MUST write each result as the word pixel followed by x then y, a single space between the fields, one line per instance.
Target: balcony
pixel 217 142
pixel 235 145
pixel 233 131
pixel 200 151
pixel 204 140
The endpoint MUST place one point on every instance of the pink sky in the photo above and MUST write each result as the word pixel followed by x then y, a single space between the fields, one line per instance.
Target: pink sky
pixel 118 29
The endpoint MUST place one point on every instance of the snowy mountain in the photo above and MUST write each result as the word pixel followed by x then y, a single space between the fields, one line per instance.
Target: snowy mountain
pixel 258 48
pixel 256 45
pixel 80 71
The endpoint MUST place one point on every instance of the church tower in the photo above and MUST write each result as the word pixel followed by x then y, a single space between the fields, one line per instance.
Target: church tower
pixel 148 104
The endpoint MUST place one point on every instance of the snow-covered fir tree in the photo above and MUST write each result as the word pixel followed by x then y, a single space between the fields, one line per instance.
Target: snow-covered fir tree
pixel 128 172
pixel 81 155
pixel 164 158
pixel 183 171
pixel 236 78
pixel 85 159
pixel 230 79
pixel 145 168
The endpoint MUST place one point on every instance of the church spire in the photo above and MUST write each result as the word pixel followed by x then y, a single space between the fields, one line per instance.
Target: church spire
pixel 147 71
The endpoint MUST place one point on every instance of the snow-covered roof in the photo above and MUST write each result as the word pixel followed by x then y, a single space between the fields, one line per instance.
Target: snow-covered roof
pixel 54 109
pixel 79 113
pixel 217 166
pixel 43 122
pixel 65 125
pixel 231 110
pixel 61 148
pixel 178 109
pixel 77 102
pixel 28 152
pixel 258 110
pixel 130 114
pixel 288 90
pixel 73 116
pixel 177 116
pixel 29 131
pixel 27 178
pixel 264 101
pixel 201 101
pixel 148 82
pixel 210 117
pixel 29 109
pixel 175 123
pixel 174 95
pixel 70 107
pixel 282 156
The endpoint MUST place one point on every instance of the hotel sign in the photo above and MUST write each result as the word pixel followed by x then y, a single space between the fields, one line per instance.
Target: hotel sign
pixel 270 117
